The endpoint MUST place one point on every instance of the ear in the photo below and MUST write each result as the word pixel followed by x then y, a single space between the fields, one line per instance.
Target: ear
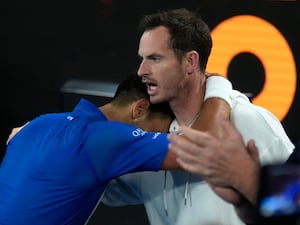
pixel 140 109
pixel 192 61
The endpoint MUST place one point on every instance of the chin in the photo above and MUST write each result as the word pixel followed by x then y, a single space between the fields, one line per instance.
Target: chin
pixel 156 100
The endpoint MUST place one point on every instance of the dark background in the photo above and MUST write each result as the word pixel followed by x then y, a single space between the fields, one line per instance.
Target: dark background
pixel 45 43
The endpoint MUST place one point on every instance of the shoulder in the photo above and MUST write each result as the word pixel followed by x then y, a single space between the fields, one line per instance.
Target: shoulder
pixel 257 123
pixel 245 112
pixel 108 127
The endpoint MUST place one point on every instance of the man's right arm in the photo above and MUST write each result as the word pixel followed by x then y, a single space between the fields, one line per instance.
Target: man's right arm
pixel 216 105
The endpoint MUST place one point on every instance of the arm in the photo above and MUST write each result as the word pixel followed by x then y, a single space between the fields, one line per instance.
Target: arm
pixel 248 213
pixel 170 162
pixel 216 106
pixel 213 111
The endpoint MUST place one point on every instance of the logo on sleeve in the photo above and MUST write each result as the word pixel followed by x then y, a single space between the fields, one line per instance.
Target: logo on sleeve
pixel 138 132
pixel 156 135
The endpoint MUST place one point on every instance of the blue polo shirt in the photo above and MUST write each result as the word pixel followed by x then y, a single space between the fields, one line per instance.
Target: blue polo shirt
pixel 56 168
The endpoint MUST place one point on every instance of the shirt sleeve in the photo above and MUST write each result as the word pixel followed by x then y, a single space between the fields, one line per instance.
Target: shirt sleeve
pixel 259 124
pixel 115 149
pixel 218 87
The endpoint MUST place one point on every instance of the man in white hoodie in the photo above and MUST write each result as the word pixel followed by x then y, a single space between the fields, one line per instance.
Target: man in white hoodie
pixel 242 187
pixel 174 49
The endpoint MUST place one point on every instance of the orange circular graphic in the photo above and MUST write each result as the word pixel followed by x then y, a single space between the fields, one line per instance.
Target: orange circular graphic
pixel 246 33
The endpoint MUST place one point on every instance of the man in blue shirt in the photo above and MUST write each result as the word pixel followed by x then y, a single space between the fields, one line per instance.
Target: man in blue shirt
pixel 57 166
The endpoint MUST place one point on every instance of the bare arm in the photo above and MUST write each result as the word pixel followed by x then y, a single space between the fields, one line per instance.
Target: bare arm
pixel 212 112
pixel 216 106
pixel 170 162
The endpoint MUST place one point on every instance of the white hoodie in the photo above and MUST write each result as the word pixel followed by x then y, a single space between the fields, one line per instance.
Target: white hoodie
pixel 179 198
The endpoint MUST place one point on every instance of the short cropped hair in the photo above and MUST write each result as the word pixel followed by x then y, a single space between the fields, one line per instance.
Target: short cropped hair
pixel 187 32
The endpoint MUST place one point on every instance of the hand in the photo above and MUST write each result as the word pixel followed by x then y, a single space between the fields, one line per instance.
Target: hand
pixel 228 194
pixel 14 131
pixel 208 74
pixel 223 162
pixel 207 156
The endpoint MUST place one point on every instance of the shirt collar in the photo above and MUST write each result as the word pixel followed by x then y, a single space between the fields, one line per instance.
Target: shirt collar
pixel 85 106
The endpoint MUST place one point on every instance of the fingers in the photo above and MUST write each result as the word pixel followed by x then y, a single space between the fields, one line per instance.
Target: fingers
pixel 207 74
pixel 228 194
pixel 183 148
pixel 253 151
pixel 189 144
pixel 14 131
pixel 189 154
pixel 12 134
pixel 192 148
pixel 198 137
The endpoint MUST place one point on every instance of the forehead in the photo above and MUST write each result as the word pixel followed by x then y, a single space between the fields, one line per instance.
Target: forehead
pixel 154 40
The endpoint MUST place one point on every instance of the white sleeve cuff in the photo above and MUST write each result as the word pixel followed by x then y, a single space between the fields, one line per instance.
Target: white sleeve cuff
pixel 218 87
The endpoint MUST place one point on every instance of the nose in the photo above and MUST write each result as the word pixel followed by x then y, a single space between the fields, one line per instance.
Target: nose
pixel 142 71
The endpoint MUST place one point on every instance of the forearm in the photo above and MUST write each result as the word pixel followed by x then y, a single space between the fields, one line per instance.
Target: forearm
pixel 251 216
pixel 247 180
pixel 248 187
pixel 170 162
pixel 216 105
pixel 248 213
pixel 212 112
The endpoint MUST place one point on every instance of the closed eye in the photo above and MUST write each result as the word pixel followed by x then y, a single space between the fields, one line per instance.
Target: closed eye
pixel 154 57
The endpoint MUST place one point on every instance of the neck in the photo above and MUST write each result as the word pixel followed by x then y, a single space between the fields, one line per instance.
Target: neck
pixel 193 121
pixel 188 104
pixel 112 112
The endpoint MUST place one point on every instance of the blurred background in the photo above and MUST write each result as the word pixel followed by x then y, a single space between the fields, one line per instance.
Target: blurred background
pixel 45 44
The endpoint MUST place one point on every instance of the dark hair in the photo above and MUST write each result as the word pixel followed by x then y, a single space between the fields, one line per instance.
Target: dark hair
pixel 129 90
pixel 187 32
pixel 132 89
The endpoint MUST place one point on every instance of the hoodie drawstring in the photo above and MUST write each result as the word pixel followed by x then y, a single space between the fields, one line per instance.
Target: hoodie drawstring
pixel 165 194
pixel 187 192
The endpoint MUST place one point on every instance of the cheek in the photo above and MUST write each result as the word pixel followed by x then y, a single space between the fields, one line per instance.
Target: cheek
pixel 173 82
pixel 172 74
